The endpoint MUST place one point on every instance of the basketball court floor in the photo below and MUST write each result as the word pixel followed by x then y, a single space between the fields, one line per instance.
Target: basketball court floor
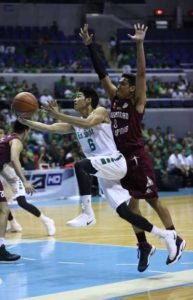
pixel 99 262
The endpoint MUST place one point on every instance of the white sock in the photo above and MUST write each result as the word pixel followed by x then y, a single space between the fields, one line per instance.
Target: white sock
pixel 13 221
pixel 87 205
pixel 159 232
pixel 2 241
pixel 43 217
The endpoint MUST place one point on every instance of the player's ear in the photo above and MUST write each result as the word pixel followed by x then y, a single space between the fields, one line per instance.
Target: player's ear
pixel 88 100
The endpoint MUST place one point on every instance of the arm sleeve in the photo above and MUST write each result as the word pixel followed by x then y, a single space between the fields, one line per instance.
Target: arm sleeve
pixel 97 63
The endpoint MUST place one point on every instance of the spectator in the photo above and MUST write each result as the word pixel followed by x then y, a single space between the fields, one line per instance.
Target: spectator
pixel 45 97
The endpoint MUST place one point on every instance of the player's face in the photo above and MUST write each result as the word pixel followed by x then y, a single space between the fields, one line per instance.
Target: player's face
pixel 124 90
pixel 80 102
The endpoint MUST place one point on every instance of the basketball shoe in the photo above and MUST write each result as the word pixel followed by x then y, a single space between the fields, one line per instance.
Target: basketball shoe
pixel 145 251
pixel 83 220
pixel 6 256
pixel 181 244
pixel 170 241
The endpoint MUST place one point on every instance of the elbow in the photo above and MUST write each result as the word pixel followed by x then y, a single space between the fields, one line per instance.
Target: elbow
pixel 87 125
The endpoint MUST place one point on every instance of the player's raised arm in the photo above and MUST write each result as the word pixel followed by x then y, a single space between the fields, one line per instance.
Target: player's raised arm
pixel 140 93
pixel 106 82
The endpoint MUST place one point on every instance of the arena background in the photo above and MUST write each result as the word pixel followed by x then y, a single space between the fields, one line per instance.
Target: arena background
pixel 41 52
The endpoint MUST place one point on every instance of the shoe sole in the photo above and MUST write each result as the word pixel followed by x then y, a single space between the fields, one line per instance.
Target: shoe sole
pixel 79 226
pixel 182 247
pixel 10 260
pixel 148 262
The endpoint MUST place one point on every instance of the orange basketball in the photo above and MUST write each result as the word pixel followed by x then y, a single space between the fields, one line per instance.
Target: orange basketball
pixel 25 102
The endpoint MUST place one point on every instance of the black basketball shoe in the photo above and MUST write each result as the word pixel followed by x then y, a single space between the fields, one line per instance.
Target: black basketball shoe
pixel 6 256
pixel 145 251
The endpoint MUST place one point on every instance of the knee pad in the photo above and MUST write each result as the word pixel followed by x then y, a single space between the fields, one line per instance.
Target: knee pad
pixel 123 210
pixel 86 166
pixel 21 201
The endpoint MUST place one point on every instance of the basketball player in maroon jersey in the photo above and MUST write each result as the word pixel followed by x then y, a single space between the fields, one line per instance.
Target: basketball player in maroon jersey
pixel 128 101
pixel 11 146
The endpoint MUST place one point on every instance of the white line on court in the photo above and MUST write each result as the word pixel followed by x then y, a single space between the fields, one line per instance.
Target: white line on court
pixel 126 264
pixel 70 263
pixel 124 288
pixel 28 258
pixel 151 271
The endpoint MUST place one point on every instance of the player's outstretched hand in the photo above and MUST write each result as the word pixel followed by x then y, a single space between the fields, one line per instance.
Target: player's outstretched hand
pixel 140 31
pixel 22 120
pixel 84 34
pixel 52 108
pixel 30 189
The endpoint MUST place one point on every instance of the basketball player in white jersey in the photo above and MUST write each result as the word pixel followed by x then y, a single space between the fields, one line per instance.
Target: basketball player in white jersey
pixel 110 166
pixel 94 141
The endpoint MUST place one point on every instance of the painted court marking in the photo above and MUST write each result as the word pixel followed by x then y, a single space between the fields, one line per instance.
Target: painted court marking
pixel 129 287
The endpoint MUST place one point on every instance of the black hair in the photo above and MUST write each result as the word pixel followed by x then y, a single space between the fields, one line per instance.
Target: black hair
pixel 19 127
pixel 90 93
pixel 130 77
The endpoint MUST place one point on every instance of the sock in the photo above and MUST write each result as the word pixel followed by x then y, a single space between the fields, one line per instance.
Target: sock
pixel 2 241
pixel 43 217
pixel 86 204
pixel 171 228
pixel 141 237
pixel 159 232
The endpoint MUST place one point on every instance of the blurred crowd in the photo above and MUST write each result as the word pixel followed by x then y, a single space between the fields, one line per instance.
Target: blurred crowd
pixel 65 89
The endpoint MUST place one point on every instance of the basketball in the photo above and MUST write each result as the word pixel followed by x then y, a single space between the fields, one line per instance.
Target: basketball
pixel 25 102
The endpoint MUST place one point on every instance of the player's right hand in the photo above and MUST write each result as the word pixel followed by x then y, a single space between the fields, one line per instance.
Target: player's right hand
pixel 84 34
pixel 30 189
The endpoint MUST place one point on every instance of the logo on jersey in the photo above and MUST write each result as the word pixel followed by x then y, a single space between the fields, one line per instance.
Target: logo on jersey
pixel 148 191
pixel 125 105
pixel 149 182
pixel 135 158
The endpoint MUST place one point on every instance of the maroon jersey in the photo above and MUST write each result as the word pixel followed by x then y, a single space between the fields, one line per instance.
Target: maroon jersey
pixel 5 148
pixel 126 126
pixel 140 179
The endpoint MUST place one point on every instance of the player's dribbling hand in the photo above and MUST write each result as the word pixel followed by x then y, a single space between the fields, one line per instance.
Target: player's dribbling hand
pixel 30 189
pixel 84 34
pixel 140 31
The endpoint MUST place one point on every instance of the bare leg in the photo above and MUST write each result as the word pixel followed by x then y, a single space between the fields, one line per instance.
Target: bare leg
pixel 162 212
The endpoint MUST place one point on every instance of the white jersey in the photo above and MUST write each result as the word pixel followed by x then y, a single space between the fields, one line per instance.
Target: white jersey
pixel 98 145
pixel 97 140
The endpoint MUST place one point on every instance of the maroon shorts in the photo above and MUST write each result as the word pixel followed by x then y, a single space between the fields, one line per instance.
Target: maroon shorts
pixel 140 179
pixel 2 193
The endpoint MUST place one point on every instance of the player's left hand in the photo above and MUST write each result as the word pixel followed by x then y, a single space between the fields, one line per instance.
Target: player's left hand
pixel 22 120
pixel 140 31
